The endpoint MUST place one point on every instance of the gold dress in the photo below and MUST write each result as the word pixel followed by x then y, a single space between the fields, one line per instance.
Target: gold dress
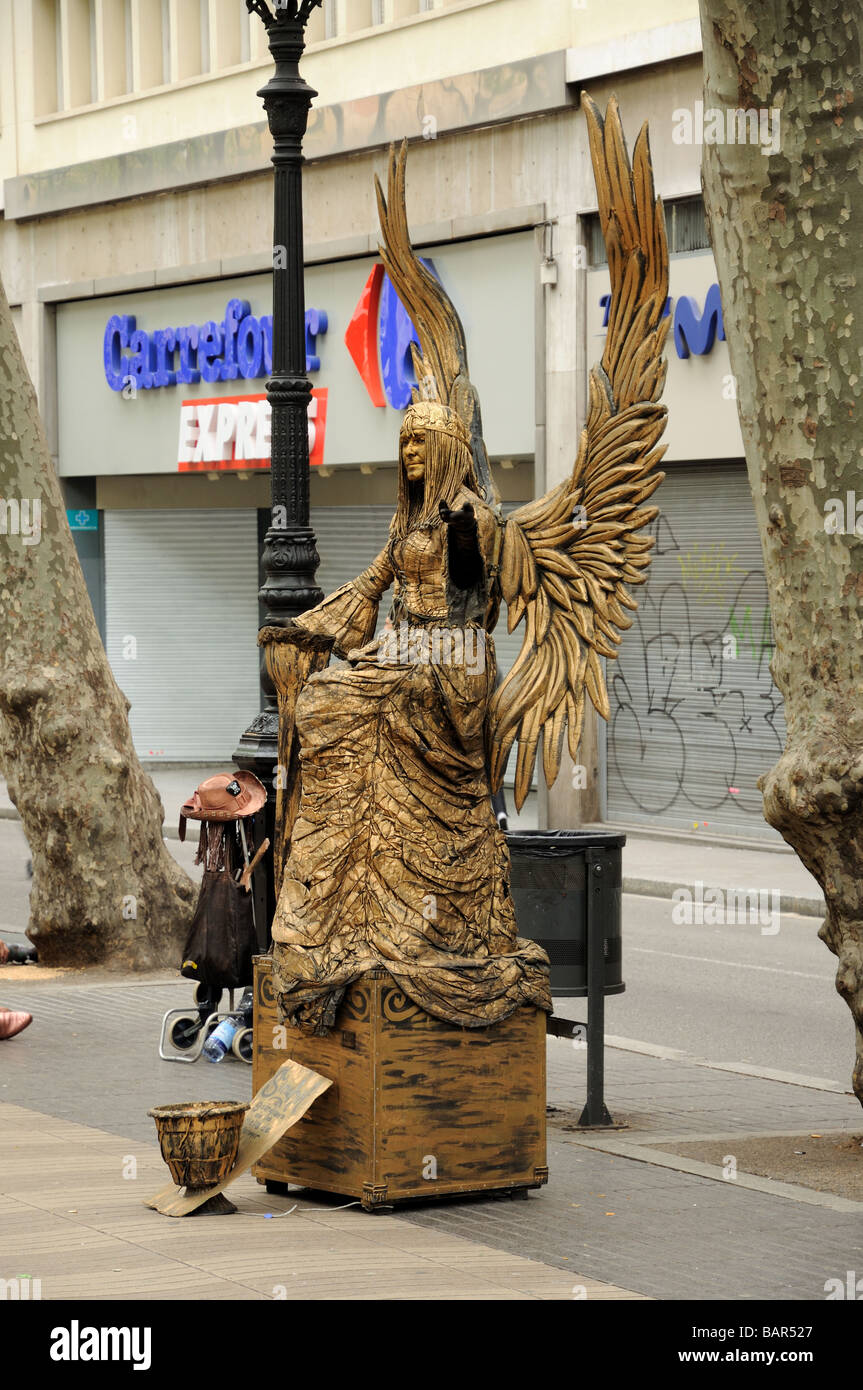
pixel 396 857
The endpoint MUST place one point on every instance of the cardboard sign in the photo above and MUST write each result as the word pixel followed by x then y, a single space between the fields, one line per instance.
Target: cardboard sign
pixel 280 1102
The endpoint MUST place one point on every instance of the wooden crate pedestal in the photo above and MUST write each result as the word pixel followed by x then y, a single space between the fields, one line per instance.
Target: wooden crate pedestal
pixel 418 1108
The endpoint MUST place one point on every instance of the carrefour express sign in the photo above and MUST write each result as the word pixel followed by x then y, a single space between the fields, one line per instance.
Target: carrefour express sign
pixel 241 345
pixel 173 377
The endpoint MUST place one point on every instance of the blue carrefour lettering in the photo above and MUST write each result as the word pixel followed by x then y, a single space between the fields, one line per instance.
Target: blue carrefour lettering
pixel 211 344
pixel 316 322
pixel 164 343
pixel 396 333
pixel 236 311
pixel 694 332
pixel 240 345
pixel 140 362
pixel 250 347
pixel 187 343
pixel 267 330
pixel 117 331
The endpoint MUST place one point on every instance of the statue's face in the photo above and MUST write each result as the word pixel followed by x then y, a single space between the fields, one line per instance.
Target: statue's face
pixel 414 455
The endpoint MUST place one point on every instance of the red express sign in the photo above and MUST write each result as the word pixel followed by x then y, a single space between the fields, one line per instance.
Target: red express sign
pixel 232 433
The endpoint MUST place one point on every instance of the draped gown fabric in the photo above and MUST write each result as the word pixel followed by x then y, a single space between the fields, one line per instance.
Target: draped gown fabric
pixel 396 857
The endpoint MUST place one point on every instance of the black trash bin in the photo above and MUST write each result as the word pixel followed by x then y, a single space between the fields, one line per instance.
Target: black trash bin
pixel 551 870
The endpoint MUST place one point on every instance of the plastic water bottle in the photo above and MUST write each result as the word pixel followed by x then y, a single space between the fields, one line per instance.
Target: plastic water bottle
pixel 246 1007
pixel 219 1041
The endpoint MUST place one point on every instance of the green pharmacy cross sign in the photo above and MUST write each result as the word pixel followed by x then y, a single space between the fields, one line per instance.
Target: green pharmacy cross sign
pixel 82 518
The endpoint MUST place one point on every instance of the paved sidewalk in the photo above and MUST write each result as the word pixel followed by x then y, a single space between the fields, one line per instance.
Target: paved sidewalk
pixel 619 1206
pixel 620 1216
pixel 72 1216
pixel 657 865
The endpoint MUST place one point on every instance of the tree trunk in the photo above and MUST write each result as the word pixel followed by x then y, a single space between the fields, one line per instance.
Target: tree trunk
pixel 105 889
pixel 786 228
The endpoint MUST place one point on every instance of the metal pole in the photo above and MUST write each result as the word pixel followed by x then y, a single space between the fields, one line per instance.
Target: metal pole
pixel 595 1112
pixel 289 556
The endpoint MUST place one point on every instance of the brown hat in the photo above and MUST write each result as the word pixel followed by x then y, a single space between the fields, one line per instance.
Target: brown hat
pixel 227 796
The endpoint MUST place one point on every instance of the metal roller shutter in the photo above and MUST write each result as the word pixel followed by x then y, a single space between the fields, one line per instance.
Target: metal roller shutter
pixel 183 585
pixel 507 646
pixel 348 540
pixel 695 717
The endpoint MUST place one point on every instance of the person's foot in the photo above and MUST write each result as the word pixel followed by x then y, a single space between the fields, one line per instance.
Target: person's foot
pixel 13 1021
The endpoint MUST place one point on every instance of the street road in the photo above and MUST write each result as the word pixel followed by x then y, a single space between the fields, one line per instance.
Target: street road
pixel 725 994
pixel 728 994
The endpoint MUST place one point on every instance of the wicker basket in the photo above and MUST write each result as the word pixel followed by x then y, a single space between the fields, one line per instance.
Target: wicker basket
pixel 199 1139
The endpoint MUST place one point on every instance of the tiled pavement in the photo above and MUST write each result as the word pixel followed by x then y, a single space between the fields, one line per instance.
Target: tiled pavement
pixel 654 1096
pixel 72 1216
pixel 611 1214
pixel 665 1233
pixel 669 1233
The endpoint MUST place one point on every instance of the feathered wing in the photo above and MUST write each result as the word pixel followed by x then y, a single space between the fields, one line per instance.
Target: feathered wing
pixel 441 362
pixel 567 558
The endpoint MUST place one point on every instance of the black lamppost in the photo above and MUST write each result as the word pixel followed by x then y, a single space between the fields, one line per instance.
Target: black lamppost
pixel 290 558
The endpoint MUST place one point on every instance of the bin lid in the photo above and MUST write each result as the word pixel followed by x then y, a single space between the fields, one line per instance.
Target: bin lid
pixel 561 844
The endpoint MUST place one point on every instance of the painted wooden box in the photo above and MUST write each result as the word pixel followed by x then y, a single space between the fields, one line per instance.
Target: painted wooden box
pixel 418 1108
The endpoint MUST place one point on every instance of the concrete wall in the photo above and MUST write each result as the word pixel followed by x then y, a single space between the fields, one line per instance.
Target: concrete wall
pixel 413 47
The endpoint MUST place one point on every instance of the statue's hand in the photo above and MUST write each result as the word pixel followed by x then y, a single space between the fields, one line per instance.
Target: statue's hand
pixel 296 636
pixel 463 521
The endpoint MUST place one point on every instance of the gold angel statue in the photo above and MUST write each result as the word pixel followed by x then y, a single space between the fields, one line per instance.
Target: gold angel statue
pixel 391 855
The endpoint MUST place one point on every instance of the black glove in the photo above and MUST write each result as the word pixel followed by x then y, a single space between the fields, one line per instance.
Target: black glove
pixel 465 561
pixel 462 522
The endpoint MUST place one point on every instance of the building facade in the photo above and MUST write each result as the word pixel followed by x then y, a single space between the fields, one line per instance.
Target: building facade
pixel 135 249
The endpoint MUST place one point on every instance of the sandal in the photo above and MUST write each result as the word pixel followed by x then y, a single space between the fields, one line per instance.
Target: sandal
pixel 13 1021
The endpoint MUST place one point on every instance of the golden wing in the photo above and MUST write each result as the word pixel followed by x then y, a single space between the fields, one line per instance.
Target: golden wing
pixel 568 557
pixel 441 362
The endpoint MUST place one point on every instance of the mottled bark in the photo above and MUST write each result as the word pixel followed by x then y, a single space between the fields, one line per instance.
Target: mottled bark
pixel 105 889
pixel 787 228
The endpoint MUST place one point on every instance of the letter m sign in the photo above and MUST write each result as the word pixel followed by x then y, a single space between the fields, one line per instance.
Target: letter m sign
pixel 694 332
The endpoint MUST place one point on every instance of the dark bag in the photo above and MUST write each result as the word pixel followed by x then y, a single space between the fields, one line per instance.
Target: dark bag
pixel 222 939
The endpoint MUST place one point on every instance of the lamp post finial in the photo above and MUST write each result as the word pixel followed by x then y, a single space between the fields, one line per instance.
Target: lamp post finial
pixel 293 10
pixel 262 9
